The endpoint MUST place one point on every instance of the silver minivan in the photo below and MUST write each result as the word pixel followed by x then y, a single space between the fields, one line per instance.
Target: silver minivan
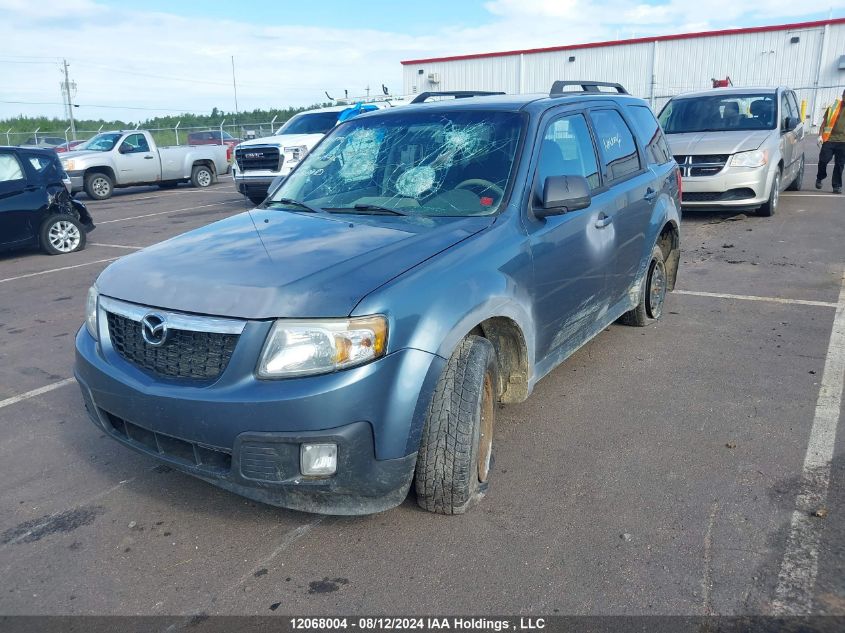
pixel 736 147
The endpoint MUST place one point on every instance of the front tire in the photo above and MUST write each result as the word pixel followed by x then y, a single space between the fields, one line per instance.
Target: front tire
pixel 453 463
pixel 61 234
pixel 99 186
pixel 201 176
pixel 652 293
pixel 768 209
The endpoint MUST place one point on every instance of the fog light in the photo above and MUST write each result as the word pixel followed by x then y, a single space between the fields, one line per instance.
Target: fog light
pixel 318 459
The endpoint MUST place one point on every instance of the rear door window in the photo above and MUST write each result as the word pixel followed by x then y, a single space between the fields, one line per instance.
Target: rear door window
pixel 10 168
pixel 651 136
pixel 616 144
pixel 568 150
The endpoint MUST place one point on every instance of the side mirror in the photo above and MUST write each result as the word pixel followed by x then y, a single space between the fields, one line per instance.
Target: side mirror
pixel 123 149
pixel 790 123
pixel 562 194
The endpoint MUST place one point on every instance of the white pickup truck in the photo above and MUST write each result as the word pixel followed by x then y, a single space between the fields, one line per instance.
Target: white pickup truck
pixel 130 157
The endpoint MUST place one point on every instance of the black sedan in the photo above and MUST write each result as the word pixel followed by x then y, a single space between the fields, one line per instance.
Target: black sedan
pixel 36 208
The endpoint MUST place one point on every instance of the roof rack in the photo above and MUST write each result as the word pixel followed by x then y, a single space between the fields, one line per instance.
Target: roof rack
pixel 591 87
pixel 458 94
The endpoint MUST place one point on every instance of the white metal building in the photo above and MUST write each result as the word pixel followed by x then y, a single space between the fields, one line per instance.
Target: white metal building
pixel 807 56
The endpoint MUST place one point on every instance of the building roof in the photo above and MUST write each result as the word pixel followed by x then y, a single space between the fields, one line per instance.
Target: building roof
pixel 638 40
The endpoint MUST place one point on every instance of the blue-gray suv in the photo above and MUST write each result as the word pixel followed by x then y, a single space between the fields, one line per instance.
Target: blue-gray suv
pixel 352 335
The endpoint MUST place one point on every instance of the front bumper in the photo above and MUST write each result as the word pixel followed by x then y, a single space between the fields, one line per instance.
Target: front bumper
pixel 736 187
pixel 77 180
pixel 243 434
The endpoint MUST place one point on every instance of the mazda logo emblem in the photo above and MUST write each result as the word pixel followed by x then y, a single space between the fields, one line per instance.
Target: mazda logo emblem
pixel 154 329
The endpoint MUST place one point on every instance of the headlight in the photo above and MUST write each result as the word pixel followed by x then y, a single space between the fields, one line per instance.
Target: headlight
pixel 296 153
pixel 68 165
pixel 320 346
pixel 755 158
pixel 91 311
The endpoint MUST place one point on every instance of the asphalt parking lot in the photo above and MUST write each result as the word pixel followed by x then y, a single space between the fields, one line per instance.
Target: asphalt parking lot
pixel 662 470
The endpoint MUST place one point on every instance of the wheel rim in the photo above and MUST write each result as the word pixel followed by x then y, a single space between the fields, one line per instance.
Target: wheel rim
pixel 100 186
pixel 485 437
pixel 203 178
pixel 656 289
pixel 775 192
pixel 64 236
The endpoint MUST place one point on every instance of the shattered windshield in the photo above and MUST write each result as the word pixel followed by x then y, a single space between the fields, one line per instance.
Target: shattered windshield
pixel 416 163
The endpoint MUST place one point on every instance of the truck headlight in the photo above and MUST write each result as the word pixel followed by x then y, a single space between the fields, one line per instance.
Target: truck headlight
pixel 296 153
pixel 91 306
pixel 68 165
pixel 320 346
pixel 754 158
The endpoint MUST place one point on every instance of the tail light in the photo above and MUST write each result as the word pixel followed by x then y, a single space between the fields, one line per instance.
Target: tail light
pixel 680 183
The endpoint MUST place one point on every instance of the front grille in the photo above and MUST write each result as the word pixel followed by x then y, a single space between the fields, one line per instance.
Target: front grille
pixel 188 453
pixel 743 193
pixel 185 354
pixel 257 158
pixel 701 164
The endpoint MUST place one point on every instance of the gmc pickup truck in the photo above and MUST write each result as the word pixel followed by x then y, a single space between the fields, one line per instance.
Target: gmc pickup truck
pixel 130 157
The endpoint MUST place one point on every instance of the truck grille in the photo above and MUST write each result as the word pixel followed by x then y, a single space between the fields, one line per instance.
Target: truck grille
pixel 257 158
pixel 701 164
pixel 184 354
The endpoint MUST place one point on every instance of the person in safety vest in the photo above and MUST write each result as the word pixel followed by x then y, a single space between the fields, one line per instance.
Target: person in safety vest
pixel 832 137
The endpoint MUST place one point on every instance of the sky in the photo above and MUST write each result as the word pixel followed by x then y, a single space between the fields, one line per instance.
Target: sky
pixel 133 60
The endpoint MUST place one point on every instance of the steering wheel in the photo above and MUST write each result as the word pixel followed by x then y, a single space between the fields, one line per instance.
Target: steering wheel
pixel 480 182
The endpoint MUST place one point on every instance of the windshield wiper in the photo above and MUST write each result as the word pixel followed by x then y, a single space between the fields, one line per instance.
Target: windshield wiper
pixel 297 203
pixel 363 206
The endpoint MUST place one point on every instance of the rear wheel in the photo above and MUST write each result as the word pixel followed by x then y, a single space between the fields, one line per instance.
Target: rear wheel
pixel 796 184
pixel 61 234
pixel 768 209
pixel 201 176
pixel 652 294
pixel 99 186
pixel 456 449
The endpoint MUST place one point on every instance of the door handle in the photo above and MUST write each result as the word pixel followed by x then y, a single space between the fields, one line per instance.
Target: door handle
pixel 148 157
pixel 650 194
pixel 603 221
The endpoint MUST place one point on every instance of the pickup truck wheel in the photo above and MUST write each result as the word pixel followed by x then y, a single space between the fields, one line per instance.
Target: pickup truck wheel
pixel 796 184
pixel 201 176
pixel 768 209
pixel 453 463
pixel 61 234
pixel 99 186
pixel 652 294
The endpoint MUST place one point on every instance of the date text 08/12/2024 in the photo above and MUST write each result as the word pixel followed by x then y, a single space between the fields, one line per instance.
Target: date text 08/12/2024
pixel 425 624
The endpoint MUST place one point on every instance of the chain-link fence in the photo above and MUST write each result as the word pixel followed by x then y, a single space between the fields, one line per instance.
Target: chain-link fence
pixel 224 133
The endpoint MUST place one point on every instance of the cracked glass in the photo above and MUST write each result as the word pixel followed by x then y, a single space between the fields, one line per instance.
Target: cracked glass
pixel 455 163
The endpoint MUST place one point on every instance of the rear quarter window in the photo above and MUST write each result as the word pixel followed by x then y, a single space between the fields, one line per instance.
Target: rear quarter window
pixel 650 135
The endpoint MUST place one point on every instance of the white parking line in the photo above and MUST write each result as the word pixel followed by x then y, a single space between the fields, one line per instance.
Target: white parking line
pixel 150 215
pixel 35 392
pixel 134 248
pixel 720 295
pixel 797 577
pixel 56 270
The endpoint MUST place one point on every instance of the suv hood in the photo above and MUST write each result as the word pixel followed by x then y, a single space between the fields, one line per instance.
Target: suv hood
pixel 717 142
pixel 266 264
pixel 285 140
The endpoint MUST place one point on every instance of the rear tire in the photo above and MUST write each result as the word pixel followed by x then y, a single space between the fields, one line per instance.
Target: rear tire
pixel 453 463
pixel 652 293
pixel 99 186
pixel 61 234
pixel 201 176
pixel 796 184
pixel 768 209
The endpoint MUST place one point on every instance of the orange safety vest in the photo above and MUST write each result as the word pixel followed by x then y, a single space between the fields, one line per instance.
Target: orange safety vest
pixel 830 119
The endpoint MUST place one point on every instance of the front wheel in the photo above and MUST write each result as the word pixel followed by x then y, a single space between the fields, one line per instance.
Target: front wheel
pixel 99 186
pixel 201 176
pixel 652 294
pixel 456 448
pixel 61 234
pixel 768 209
